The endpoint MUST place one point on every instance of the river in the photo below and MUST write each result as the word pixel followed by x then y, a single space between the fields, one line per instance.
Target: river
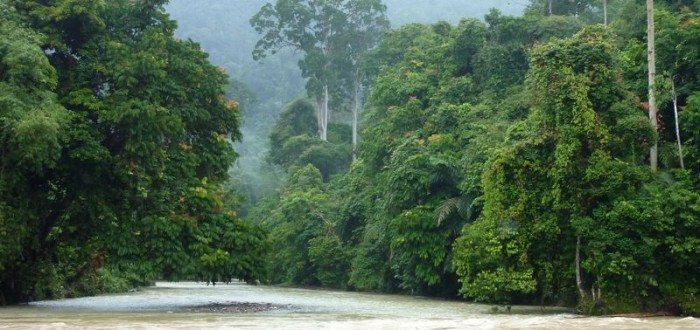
pixel 169 306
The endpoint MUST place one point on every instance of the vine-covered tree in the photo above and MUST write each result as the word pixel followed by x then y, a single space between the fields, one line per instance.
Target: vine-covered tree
pixel 546 189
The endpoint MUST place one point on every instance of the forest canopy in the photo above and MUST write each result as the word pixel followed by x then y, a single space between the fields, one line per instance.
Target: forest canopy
pixel 114 145
pixel 506 160
pixel 500 159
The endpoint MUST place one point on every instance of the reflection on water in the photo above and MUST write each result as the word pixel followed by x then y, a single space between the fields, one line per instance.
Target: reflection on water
pixel 165 307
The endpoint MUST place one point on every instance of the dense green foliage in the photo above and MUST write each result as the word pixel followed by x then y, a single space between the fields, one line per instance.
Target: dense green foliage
pixel 501 161
pixel 573 155
pixel 223 30
pixel 293 142
pixel 115 141
pixel 505 161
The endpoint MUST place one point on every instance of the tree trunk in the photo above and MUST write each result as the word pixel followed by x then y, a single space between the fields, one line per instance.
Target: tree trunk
pixel 355 112
pixel 320 103
pixel 550 8
pixel 678 129
pixel 653 153
pixel 579 280
pixel 605 13
pixel 322 115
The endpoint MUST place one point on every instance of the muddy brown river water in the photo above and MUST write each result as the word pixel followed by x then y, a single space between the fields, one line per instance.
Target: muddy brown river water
pixel 175 306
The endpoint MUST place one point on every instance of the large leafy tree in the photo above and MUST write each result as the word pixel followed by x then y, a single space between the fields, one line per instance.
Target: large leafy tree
pixel 129 154
pixel 331 34
pixel 32 132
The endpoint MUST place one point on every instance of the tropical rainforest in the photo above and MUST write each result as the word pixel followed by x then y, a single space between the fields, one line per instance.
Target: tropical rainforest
pixel 548 155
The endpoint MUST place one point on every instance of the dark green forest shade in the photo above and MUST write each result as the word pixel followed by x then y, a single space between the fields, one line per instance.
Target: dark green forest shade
pixel 115 142
pixel 505 161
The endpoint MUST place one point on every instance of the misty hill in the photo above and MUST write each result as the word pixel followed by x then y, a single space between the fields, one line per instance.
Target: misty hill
pixel 223 30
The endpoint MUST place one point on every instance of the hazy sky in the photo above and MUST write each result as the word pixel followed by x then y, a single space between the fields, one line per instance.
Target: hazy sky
pixel 427 11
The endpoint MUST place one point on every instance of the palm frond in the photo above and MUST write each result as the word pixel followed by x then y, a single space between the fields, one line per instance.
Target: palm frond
pixel 460 205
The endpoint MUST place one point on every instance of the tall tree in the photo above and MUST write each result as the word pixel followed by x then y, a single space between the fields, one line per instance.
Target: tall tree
pixel 33 129
pixel 605 13
pixel 121 163
pixel 326 32
pixel 651 57
pixel 369 23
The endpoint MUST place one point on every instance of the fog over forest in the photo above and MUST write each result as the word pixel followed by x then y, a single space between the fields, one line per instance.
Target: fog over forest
pixel 223 30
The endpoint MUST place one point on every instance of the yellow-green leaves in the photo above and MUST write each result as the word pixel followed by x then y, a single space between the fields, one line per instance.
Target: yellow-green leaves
pixel 560 164
pixel 32 124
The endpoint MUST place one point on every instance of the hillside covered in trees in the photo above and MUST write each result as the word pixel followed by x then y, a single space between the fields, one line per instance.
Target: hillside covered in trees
pixel 503 158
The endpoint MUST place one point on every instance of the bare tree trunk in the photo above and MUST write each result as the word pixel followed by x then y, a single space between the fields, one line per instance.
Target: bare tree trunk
pixel 579 280
pixel 324 115
pixel 550 8
pixel 678 129
pixel 654 152
pixel 605 13
pixel 355 113
pixel 319 116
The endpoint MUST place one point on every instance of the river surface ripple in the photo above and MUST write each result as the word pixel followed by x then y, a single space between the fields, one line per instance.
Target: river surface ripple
pixel 167 306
